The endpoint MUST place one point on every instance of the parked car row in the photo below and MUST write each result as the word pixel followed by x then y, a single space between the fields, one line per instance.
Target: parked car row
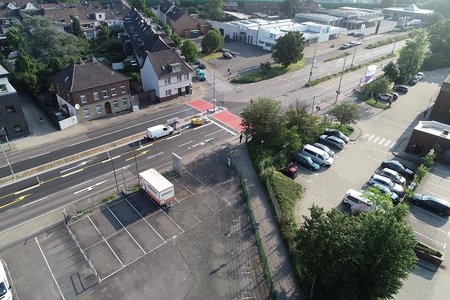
pixel 389 179
pixel 416 78
pixel 350 45
pixel 317 155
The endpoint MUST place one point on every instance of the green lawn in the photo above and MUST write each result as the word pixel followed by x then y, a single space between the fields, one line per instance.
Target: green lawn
pixel 276 70
pixel 345 129
pixel 379 104
pixel 210 56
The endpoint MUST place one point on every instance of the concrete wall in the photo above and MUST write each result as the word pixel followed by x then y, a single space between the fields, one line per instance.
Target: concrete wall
pixel 441 108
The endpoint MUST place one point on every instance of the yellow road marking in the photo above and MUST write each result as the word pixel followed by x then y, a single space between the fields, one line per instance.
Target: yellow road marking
pixel 71 173
pixel 15 201
pixel 140 154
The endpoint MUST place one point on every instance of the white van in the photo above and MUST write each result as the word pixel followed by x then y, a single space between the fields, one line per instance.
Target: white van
pixel 159 131
pixel 318 155
pixel 354 200
pixel 5 286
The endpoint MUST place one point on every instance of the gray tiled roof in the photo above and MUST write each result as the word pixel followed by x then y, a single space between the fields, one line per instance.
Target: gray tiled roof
pixel 84 75
pixel 162 59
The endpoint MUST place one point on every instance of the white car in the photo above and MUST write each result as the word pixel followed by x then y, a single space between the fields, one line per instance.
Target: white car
pixel 394 187
pixel 393 175
pixel 5 286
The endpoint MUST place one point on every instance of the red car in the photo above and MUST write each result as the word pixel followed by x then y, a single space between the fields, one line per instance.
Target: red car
pixel 290 171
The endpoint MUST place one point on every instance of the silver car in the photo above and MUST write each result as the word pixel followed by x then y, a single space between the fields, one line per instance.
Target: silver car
pixel 396 188
pixel 324 148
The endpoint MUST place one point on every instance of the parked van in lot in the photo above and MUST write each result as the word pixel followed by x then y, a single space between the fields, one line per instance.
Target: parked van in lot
pixel 159 131
pixel 354 199
pixel 318 155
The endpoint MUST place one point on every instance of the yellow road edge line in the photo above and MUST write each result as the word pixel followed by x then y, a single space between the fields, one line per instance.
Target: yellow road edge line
pixel 71 173
pixel 15 201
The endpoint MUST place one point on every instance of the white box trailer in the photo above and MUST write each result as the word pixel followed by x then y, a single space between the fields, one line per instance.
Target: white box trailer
pixel 157 186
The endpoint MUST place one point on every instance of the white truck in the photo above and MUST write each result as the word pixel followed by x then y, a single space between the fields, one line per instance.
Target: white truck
pixel 157 187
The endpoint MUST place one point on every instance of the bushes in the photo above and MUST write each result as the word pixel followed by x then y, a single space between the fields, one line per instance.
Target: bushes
pixel 435 61
pixel 387 41
pixel 267 71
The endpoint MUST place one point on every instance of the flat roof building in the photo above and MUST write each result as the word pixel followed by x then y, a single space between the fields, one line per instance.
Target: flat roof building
pixel 441 108
pixel 410 12
pixel 426 135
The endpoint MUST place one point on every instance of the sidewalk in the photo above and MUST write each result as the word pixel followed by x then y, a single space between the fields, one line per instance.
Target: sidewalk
pixel 277 253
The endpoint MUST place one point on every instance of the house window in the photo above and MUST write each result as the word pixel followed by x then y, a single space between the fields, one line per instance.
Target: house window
pixel 168 92
pixel 96 97
pixel 122 89
pixel 10 109
pixel 99 110
pixel 179 78
pixel 87 113
pixel 113 92
pixel 17 128
pixel 116 104
pixel 125 102
pixel 186 76
pixel 167 80
pixel 105 93
pixel 83 98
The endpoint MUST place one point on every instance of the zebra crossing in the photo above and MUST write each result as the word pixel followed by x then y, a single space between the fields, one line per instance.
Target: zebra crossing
pixel 384 142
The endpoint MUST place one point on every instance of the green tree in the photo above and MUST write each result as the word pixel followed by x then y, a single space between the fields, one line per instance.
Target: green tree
pixel 177 41
pixel 432 19
pixel 77 31
pixel 166 30
pixel 289 7
pixel 362 257
pixel 443 6
pixel 189 50
pixel 16 38
pixel 391 71
pixel 214 9
pixel 288 49
pixel 412 55
pixel 309 126
pixel 142 6
pixel 378 86
pixel 262 120
pixel 346 113
pixel 440 37
pixel 212 41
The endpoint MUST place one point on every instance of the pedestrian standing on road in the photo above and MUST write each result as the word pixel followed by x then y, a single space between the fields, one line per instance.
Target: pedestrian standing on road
pixel 240 138
pixel 390 102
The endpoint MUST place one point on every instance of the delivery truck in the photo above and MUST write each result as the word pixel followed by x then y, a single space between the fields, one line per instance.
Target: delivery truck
pixel 157 187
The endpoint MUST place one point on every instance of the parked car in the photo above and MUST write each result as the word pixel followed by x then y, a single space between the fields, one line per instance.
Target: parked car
pixel 305 161
pixel 355 43
pixel 439 206
pixel 386 190
pixel 202 66
pixel 385 97
pixel 359 34
pixel 227 55
pixel 393 175
pixel 401 88
pixel 351 33
pixel 324 148
pixel 290 170
pixel 5 285
pixel 345 46
pixel 318 155
pixel 420 75
pixel 354 200
pixel 337 133
pixel 395 187
pixel 394 96
pixel 413 80
pixel 399 167
pixel 332 141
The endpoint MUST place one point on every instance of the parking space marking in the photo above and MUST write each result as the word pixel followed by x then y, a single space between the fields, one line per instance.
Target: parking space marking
pixel 440 178
pixel 176 224
pixel 431 214
pixel 217 194
pixel 184 187
pixel 437 195
pixel 375 159
pixel 198 221
pixel 129 203
pixel 109 246
pixel 307 180
pixel 420 221
pixel 427 237
pixel 126 230
pixel 381 141
pixel 50 269
pixel 439 186
pixel 441 170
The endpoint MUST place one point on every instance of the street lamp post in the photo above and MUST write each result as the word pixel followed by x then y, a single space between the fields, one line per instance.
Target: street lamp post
pixel 6 137
pixel 7 161
pixel 354 54
pixel 312 107
pixel 395 42
pixel 114 171
pixel 340 81
pixel 312 65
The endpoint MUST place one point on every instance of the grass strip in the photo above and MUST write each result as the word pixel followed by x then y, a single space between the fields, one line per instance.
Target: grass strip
pixel 387 41
pixel 276 70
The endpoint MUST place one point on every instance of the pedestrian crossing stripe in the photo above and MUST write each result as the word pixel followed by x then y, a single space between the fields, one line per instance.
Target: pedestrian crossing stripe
pixel 379 140
pixel 371 137
pixel 376 139
pixel 387 143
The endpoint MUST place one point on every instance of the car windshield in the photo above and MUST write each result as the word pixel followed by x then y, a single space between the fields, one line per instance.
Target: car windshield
pixel 2 289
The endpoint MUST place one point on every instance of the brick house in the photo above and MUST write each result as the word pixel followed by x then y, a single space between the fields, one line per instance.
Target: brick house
pixel 12 119
pixel 88 90
pixel 176 18
pixel 441 108
pixel 166 73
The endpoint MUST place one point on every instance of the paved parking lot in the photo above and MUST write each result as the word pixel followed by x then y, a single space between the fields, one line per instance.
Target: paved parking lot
pixel 203 248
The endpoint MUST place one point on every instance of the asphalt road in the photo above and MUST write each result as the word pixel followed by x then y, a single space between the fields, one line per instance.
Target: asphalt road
pixel 62 186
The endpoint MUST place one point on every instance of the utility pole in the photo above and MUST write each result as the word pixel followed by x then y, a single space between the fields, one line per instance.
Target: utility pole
pixel 340 81
pixel 312 107
pixel 396 38
pixel 6 137
pixel 312 65
pixel 354 53
pixel 7 161
pixel 114 171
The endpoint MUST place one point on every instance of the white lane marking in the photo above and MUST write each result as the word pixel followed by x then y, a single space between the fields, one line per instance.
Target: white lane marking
pixel 220 130
pixel 155 155
pixel 39 155
pixel 173 136
pixel 91 187
pixel 27 189
pixel 184 144
pixel 201 126
pixel 371 137
pixel 79 165
pixel 109 159
pixel 376 139
pixel 366 135
pixel 72 187
pixel 36 201
pixel 381 141
pixel 201 143
pixel 224 128
pixel 387 143
pixel 71 173
pixel 48 266
pixel 101 235
pixel 393 145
